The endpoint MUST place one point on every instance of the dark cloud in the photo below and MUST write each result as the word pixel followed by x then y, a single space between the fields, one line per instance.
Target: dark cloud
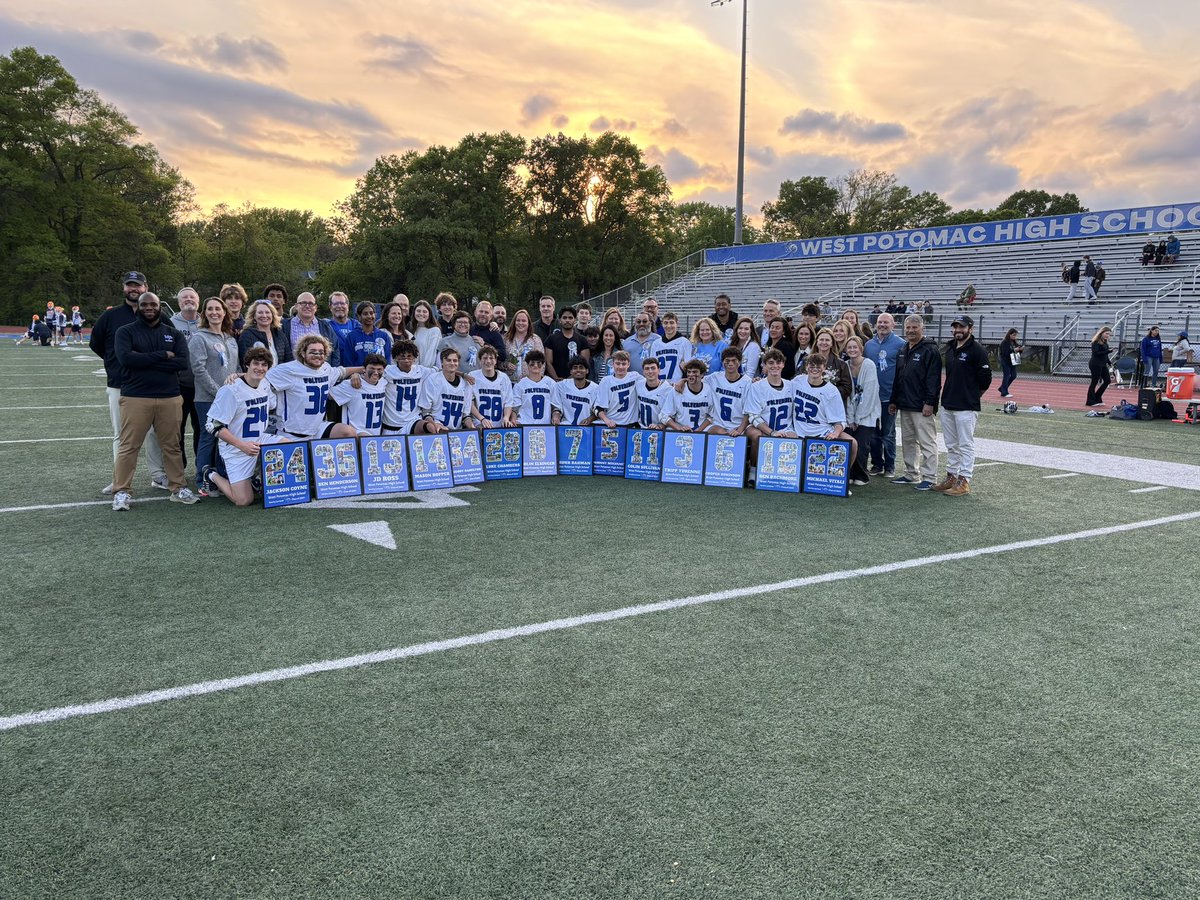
pixel 1162 131
pixel 139 40
pixel 604 123
pixel 225 52
pixel 679 167
pixel 672 128
pixel 559 121
pixel 536 107
pixel 601 123
pixel 763 156
pixel 184 108
pixel 408 55
pixel 846 125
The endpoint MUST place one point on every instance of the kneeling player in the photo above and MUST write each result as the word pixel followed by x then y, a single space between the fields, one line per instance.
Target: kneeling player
pixel 362 403
pixel 615 396
pixel 770 404
pixel 238 419
pixel 533 396
pixel 493 390
pixel 447 399
pixel 575 399
pixel 401 407
pixel 730 389
pixel 656 399
pixel 820 412
pixel 695 400
pixel 303 387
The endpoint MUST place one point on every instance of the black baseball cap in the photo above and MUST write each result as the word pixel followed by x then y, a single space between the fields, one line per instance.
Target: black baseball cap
pixel 133 278
pixel 964 320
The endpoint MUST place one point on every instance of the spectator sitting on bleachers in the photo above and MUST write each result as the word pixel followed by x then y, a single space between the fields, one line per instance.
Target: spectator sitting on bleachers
pixel 895 307
pixel 927 311
pixel 1173 249
pixel 1148 252
pixel 1160 252
pixel 874 314
pixel 967 297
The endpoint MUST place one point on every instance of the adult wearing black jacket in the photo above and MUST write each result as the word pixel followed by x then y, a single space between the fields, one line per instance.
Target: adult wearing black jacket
pixel 968 375
pixel 103 344
pixel 1098 366
pixel 264 328
pixel 914 401
pixel 152 353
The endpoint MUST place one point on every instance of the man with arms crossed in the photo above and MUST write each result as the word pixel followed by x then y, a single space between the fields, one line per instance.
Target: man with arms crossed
pixel 968 374
pixel 915 398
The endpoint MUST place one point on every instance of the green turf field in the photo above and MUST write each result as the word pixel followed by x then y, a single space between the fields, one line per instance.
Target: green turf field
pixel 1023 723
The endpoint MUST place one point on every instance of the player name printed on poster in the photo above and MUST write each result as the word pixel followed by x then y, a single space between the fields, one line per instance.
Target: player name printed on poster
pixel 574 450
pixel 608 450
pixel 502 453
pixel 826 467
pixel 643 454
pixel 285 475
pixel 429 458
pixel 779 464
pixel 683 458
pixel 335 468
pixel 725 461
pixel 466 460
pixel 540 451
pixel 384 464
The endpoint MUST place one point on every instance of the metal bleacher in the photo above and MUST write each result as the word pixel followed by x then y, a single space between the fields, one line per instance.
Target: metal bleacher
pixel 1018 285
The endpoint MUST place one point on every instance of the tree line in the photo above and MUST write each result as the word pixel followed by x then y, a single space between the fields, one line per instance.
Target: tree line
pixel 496 215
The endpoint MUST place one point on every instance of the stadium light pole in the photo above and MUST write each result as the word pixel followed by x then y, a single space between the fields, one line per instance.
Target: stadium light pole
pixel 741 162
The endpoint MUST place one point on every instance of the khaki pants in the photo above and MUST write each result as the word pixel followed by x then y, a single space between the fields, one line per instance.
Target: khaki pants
pixel 138 416
pixel 919 434
pixel 153 452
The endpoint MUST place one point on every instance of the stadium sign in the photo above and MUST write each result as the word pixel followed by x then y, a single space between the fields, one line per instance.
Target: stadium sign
pixel 1136 220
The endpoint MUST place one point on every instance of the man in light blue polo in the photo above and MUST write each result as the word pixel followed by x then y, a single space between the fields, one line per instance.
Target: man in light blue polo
pixel 883 349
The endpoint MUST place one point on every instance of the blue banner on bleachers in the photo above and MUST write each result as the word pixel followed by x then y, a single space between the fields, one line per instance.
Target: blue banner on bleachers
pixel 466 461
pixel 826 467
pixel 502 453
pixel 286 477
pixel 608 450
pixel 643 456
pixel 779 464
pixel 335 468
pixel 429 456
pixel 725 461
pixel 574 450
pixel 1134 220
pixel 384 464
pixel 683 458
pixel 538 446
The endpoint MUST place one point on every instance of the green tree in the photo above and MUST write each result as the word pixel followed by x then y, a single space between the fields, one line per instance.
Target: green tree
pixel 697 225
pixel 1025 204
pixel 805 208
pixel 81 200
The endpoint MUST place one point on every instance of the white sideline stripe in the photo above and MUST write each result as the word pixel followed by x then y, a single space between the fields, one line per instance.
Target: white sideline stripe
pixel 8 509
pixel 1062 475
pixel 199 689
pixel 83 406
pixel 1149 490
pixel 984 465
pixel 1106 465
pixel 57 440
pixel 75 388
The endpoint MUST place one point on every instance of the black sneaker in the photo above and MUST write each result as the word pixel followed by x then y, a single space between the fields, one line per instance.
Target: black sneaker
pixel 207 488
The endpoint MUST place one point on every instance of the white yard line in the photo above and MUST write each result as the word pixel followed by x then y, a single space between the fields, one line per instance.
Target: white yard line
pixel 77 505
pixel 57 440
pixel 201 688
pixel 1150 490
pixel 82 406
pixel 1063 475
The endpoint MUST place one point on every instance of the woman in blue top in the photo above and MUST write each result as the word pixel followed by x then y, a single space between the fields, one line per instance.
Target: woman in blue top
pixel 1152 356
pixel 707 344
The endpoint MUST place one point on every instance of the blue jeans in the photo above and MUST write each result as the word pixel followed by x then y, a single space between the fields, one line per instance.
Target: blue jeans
pixel 1010 375
pixel 883 446
pixel 206 453
pixel 1150 367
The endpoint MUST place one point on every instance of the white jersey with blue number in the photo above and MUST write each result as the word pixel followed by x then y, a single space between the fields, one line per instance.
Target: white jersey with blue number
pixel 401 405
pixel 617 397
pixel 362 407
pixel 575 403
pixel 818 409
pixel 656 406
pixel 672 355
pixel 447 403
pixel 533 400
pixel 771 405
pixel 729 398
pixel 302 392
pixel 695 408
pixel 493 396
pixel 242 409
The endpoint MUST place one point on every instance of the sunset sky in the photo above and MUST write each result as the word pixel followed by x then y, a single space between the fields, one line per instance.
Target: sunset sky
pixel 286 103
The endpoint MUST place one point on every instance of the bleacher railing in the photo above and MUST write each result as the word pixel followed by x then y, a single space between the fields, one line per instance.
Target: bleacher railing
pixel 648 284
pixel 1064 348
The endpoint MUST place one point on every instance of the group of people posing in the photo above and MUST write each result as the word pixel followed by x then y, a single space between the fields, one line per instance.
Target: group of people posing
pixel 431 368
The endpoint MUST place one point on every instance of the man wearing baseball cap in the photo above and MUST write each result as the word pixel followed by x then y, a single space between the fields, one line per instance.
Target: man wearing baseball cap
pixel 103 344
pixel 968 374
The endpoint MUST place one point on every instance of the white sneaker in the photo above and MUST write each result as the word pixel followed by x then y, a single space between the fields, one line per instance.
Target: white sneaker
pixel 160 483
pixel 183 495
pixel 108 490
pixel 121 501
